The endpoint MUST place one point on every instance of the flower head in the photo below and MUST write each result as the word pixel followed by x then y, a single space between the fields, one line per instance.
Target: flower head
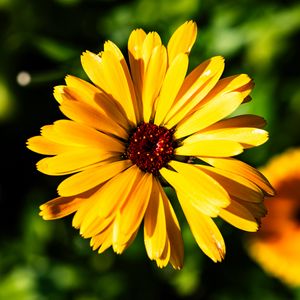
pixel 276 246
pixel 137 128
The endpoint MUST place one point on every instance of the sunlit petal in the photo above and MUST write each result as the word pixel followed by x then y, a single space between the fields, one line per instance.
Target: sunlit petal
pixel 182 40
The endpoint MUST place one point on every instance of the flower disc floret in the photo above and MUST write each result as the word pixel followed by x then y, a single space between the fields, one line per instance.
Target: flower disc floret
pixel 151 147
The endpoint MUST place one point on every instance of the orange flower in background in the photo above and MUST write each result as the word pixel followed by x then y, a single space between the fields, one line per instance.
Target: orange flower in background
pixel 276 247
pixel 138 128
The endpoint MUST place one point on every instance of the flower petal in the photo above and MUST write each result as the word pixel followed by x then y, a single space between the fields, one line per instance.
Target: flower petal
pixel 240 168
pixel 239 121
pixel 153 80
pixel 71 133
pixel 140 49
pixel 82 113
pixel 195 87
pixel 172 83
pixel 121 242
pixel 60 207
pixel 163 260
pixel 247 136
pixel 214 110
pixel 211 148
pixel 80 90
pixel 258 210
pixel 87 179
pixel 162 234
pixel 45 146
pixel 135 47
pixel 87 93
pixel 72 161
pixel 174 233
pixel 155 231
pixel 234 184
pixel 209 195
pixel 102 239
pixel 152 40
pixel 133 209
pixel 239 216
pixel 107 73
pixel 102 211
pixel 113 48
pixel 241 83
pixel 58 92
pixel 182 40
pixel 205 231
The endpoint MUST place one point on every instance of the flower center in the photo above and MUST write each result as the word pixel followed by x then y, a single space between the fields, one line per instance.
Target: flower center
pixel 150 147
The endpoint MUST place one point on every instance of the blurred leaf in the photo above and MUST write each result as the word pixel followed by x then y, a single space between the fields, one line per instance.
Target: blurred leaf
pixel 7 102
pixel 56 50
pixel 20 284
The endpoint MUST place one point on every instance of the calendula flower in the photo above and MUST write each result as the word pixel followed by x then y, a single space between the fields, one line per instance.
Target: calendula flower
pixel 276 247
pixel 138 128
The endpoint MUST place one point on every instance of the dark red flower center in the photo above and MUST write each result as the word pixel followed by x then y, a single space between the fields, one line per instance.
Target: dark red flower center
pixel 151 147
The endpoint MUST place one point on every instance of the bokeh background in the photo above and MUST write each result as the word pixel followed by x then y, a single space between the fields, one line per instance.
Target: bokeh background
pixel 41 42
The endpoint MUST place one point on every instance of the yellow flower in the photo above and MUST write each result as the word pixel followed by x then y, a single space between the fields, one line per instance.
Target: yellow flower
pixel 276 247
pixel 136 129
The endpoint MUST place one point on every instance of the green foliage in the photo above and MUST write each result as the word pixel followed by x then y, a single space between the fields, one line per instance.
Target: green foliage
pixel 48 260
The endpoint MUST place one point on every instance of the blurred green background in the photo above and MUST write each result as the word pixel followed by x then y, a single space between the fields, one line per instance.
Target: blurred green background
pixel 41 42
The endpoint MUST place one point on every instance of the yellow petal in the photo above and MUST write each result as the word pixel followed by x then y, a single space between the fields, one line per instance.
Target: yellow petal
pixel 120 241
pixel 113 48
pixel 106 243
pixel 239 121
pixel 107 201
pixel 107 73
pixel 96 226
pixel 82 90
pixel 140 49
pixel 163 260
pixel 141 53
pixel 85 220
pixel 82 212
pixel 135 47
pixel 240 168
pixel 152 40
pixel 238 216
pixel 214 110
pixel 182 40
pixel 87 93
pixel 153 80
pixel 247 136
pixel 45 146
pixel 162 234
pixel 91 177
pixel 58 92
pixel 155 232
pixel 133 209
pixel 241 83
pixel 195 87
pixel 202 191
pixel 213 148
pixel 101 238
pixel 172 83
pixel 72 161
pixel 59 207
pixel 87 115
pixel 174 233
pixel 234 184
pixel 205 231
pixel 71 133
